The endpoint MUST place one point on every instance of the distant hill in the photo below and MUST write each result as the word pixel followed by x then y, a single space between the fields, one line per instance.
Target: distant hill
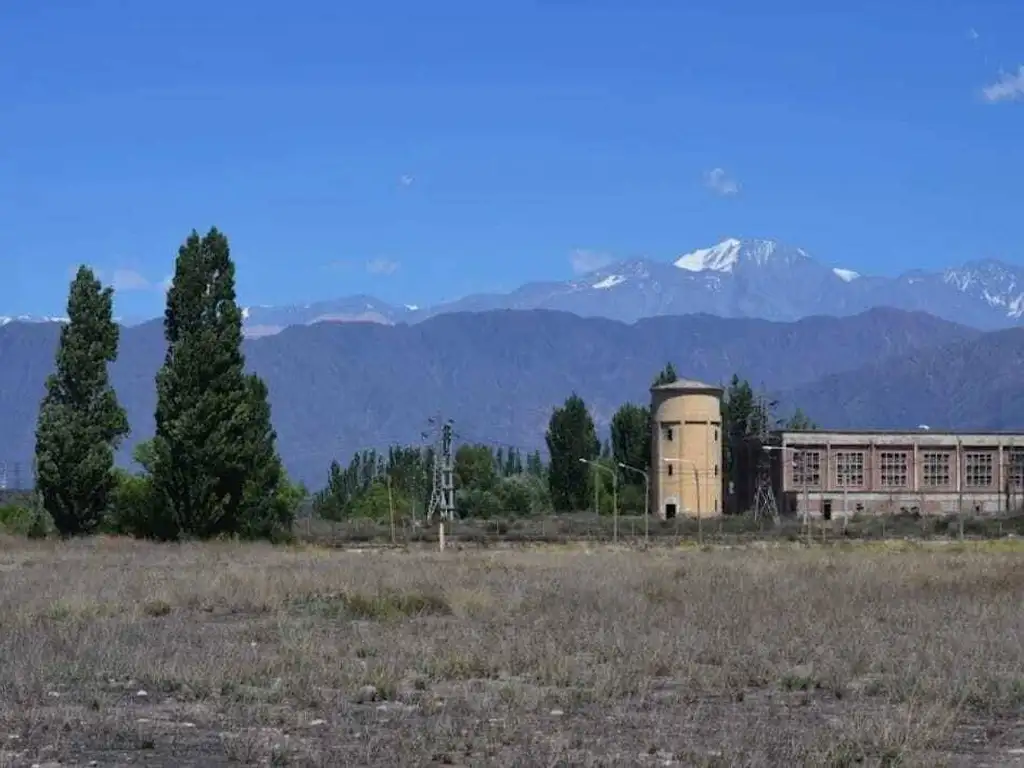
pixel 336 388
pixel 966 384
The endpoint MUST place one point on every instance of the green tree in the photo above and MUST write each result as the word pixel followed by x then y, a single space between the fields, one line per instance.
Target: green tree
pixel 631 440
pixel 666 375
pixel 80 422
pixel 353 490
pixel 216 469
pixel 535 465
pixel 571 436
pixel 475 467
pixel 799 421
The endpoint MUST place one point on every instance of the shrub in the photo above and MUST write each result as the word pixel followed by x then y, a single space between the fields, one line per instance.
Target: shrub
pixel 15 519
pixel 479 504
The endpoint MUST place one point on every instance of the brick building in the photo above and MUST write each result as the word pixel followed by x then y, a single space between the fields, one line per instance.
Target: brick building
pixel 831 473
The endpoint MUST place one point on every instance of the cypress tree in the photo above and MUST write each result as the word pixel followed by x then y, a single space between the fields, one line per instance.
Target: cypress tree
pixel 216 469
pixel 80 422
pixel 571 436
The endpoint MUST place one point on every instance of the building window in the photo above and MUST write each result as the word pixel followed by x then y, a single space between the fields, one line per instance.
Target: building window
pixel 716 435
pixel 806 468
pixel 850 469
pixel 978 469
pixel 935 469
pixel 893 469
pixel 670 470
pixel 666 433
pixel 1015 465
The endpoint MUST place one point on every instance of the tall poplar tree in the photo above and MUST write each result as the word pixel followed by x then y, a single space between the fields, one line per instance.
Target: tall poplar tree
pixel 571 436
pixel 80 422
pixel 631 441
pixel 216 469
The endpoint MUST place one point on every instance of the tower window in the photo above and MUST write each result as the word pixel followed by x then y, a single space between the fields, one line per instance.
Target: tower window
pixel 670 470
pixel 667 433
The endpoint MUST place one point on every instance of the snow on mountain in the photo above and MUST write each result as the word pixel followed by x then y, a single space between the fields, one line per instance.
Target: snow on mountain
pixel 731 254
pixel 734 278
pixel 6 319
pixel 999 285
pixel 764 279
pixel 609 282
pixel 846 275
pixel 718 258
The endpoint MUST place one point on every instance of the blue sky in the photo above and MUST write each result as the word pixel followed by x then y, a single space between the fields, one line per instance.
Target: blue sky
pixel 421 151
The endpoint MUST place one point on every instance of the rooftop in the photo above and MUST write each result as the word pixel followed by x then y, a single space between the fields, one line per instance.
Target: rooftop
pixel 687 385
pixel 912 431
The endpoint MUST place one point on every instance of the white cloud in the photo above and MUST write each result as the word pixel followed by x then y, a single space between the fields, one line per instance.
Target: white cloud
pixel 381 267
pixel 584 261
pixel 406 180
pixel 719 182
pixel 972 34
pixel 1009 87
pixel 129 280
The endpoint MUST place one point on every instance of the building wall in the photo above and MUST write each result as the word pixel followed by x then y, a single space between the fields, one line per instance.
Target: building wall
pixel 837 473
pixel 686 448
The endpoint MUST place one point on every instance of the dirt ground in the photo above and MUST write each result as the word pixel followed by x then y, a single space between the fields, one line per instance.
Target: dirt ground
pixel 116 652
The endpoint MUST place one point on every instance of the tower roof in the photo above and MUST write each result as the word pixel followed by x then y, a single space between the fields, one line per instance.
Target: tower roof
pixel 688 385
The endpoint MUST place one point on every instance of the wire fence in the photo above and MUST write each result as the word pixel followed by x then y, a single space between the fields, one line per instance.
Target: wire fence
pixel 636 531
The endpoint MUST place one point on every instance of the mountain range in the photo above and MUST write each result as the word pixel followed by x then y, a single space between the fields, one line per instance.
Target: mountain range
pixel 339 387
pixel 736 278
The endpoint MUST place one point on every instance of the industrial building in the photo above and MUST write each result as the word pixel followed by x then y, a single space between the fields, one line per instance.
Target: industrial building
pixel 686 449
pixel 823 473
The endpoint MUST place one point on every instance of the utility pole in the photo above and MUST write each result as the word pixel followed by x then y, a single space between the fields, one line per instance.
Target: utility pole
pixel 764 495
pixel 615 494
pixel 447 473
pixel 647 500
pixel 442 493
pixel 391 509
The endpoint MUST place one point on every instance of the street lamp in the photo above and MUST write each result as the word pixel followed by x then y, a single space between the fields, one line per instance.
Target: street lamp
pixel 615 495
pixel 804 473
pixel 696 483
pixel 647 499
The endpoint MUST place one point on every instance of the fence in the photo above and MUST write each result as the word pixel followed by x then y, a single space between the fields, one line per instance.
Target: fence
pixel 631 530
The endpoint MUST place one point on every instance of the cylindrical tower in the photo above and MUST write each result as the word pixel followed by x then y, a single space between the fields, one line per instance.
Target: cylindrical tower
pixel 686 449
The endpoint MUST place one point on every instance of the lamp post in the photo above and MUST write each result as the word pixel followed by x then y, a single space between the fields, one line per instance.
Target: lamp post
pixel 615 495
pixel 647 500
pixel 803 473
pixel 696 483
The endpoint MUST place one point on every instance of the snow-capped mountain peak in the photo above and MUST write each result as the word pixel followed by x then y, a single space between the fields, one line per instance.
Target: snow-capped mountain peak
pixel 730 253
pixel 717 258
pixel 846 275
pixel 995 283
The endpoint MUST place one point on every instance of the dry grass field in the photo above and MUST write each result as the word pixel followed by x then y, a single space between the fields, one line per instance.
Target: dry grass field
pixel 115 652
